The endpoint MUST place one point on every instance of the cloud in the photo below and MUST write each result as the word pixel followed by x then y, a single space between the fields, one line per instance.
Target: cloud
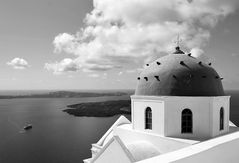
pixel 105 75
pixel 235 54
pixel 65 41
pixel 18 63
pixel 94 75
pixel 199 54
pixel 66 65
pixel 70 76
pixel 120 73
pixel 121 33
pixel 131 71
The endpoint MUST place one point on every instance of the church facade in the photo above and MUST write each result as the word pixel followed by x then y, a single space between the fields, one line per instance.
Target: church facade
pixel 179 113
pixel 181 117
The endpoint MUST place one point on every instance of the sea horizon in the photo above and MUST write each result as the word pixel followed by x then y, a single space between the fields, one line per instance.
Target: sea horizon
pixel 39 91
pixel 42 91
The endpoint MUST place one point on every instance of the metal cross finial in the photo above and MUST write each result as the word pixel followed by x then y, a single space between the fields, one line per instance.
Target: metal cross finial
pixel 178 50
pixel 178 41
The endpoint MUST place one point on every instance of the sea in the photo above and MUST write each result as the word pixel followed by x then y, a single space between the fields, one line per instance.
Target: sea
pixel 57 137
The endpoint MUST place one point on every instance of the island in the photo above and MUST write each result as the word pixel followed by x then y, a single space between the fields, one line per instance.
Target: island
pixel 100 109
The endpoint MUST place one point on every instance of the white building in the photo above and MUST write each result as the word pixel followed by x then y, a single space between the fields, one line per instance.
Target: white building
pixel 179 114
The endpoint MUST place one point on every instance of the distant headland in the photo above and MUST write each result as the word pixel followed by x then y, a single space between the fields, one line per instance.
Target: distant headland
pixel 100 109
pixel 68 94
pixel 118 101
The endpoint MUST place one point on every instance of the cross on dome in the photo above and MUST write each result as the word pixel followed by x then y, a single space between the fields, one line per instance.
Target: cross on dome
pixel 178 50
pixel 178 41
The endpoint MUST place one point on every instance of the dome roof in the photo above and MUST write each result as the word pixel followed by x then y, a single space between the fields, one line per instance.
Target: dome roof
pixel 179 75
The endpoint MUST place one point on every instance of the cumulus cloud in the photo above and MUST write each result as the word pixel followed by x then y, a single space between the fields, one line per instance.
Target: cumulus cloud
pixel 199 54
pixel 131 32
pixel 65 41
pixel 18 63
pixel 66 65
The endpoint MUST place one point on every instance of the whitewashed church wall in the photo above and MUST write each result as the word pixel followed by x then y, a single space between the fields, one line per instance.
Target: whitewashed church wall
pixel 166 115
pixel 217 103
pixel 200 107
pixel 138 112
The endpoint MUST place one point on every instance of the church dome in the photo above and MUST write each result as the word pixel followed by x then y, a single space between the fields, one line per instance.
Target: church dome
pixel 179 74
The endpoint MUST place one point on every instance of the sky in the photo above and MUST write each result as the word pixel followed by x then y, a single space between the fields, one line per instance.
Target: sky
pixel 104 44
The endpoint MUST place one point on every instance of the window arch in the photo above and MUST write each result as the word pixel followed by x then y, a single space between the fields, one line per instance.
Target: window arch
pixel 148 118
pixel 187 121
pixel 221 118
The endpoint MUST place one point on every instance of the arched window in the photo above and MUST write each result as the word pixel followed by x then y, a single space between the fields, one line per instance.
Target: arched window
pixel 221 118
pixel 187 121
pixel 148 118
